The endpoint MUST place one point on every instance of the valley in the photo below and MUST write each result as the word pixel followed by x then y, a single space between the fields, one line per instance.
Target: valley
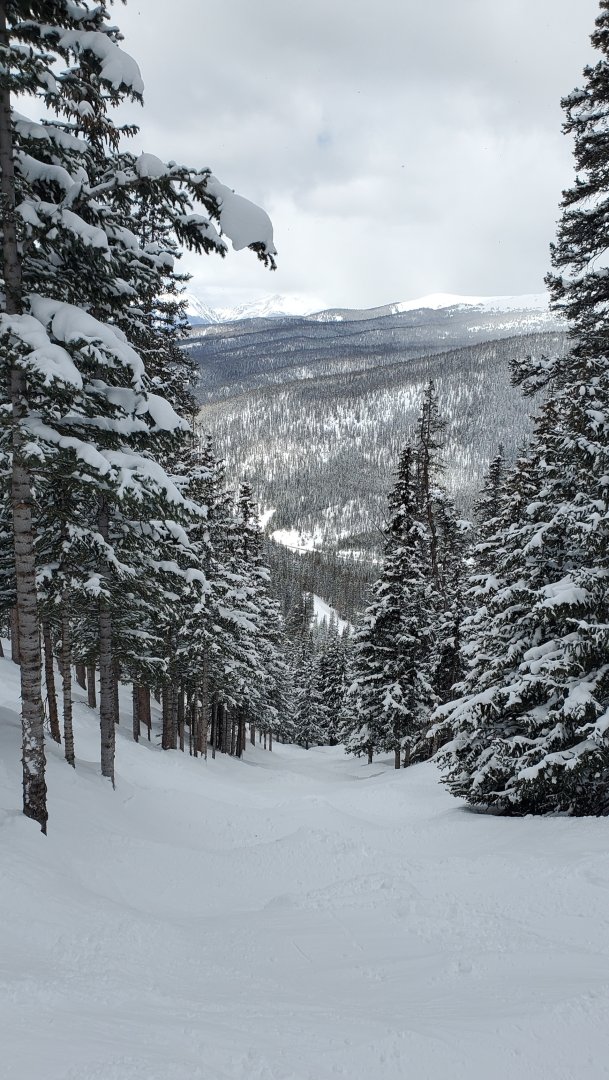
pixel 313 412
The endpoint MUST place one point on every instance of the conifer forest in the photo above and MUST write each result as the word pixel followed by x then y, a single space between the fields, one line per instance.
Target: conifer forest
pixel 264 553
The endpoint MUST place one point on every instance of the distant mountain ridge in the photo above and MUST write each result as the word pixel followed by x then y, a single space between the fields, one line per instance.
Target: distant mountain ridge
pixel 278 307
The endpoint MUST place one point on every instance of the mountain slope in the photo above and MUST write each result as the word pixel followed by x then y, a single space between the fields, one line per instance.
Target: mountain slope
pixel 321 449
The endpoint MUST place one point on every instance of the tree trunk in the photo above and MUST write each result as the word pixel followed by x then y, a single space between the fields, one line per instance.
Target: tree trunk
pixel 170 717
pixel 135 697
pixel 214 728
pixel 396 755
pixel 205 704
pixel 225 729
pixel 49 673
pixel 106 671
pixel 66 680
pixel 15 636
pixel 144 708
pixel 180 716
pixel 233 735
pixel 81 672
pixel 91 692
pixel 406 760
pixel 270 739
pixel 115 684
pixel 253 734
pixel 370 756
pixel 193 706
pixel 28 638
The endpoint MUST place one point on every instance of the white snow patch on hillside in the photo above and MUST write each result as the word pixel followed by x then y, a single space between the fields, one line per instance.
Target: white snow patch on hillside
pixel 436 301
pixel 323 611
pixel 265 516
pixel 291 916
pixel 297 541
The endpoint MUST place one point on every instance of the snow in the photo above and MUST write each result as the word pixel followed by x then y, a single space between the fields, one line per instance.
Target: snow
pixel 295 540
pixel 241 220
pixel 265 516
pixel 295 916
pixel 436 301
pixel 323 611
pixel 268 307
pixel 117 67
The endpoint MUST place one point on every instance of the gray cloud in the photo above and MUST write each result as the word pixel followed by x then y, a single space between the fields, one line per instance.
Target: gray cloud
pixel 401 147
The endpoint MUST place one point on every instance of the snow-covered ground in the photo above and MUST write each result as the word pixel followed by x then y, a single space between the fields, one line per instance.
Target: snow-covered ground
pixel 296 540
pixel 294 916
pixel 323 612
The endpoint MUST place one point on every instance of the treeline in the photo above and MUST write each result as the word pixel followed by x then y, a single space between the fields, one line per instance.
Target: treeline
pixel 498 653
pixel 121 549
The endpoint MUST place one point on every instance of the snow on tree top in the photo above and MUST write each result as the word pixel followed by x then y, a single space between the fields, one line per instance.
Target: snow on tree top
pixel 243 222
pixel 117 67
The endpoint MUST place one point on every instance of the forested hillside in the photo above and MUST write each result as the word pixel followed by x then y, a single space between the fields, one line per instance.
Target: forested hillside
pixel 319 431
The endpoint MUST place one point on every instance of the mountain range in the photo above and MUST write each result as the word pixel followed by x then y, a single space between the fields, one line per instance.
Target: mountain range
pixel 270 307
pixel 313 410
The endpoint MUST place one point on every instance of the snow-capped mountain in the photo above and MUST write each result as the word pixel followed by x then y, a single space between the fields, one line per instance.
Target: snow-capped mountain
pixel 436 301
pixel 269 307
pixel 533 303
pixel 278 306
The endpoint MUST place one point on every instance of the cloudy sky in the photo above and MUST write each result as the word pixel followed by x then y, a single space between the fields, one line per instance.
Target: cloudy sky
pixel 402 147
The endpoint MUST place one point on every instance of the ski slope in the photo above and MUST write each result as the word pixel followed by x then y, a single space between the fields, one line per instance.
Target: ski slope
pixel 293 916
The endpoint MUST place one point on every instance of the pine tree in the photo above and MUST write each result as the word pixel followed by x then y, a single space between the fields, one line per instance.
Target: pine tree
pixel 390 697
pixel 77 283
pixel 531 723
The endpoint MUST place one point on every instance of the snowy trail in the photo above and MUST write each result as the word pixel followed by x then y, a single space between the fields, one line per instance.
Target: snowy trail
pixel 296 916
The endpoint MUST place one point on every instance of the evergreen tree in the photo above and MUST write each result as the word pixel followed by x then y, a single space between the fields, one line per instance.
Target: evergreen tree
pixel 77 282
pixel 532 719
pixel 390 697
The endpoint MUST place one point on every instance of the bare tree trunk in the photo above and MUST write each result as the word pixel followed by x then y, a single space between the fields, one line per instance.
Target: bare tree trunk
pixel 370 756
pixel 406 759
pixel 106 671
pixel 66 681
pixel 49 673
pixel 396 755
pixel 1 649
pixel 264 737
pixel 170 718
pixel 214 728
pixel 193 707
pixel 115 684
pixel 180 717
pixel 145 714
pixel 135 697
pixel 15 636
pixel 233 736
pixel 205 703
pixel 32 712
pixel 91 692
pixel 270 739
pixel 253 734
pixel 226 740
pixel 81 672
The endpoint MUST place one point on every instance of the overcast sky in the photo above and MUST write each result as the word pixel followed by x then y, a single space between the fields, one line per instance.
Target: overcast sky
pixel 402 147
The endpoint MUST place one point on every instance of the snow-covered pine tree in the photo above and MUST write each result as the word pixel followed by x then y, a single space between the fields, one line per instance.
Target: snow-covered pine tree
pixel 332 673
pixel 390 696
pixel 310 712
pixel 65 249
pixel 532 721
